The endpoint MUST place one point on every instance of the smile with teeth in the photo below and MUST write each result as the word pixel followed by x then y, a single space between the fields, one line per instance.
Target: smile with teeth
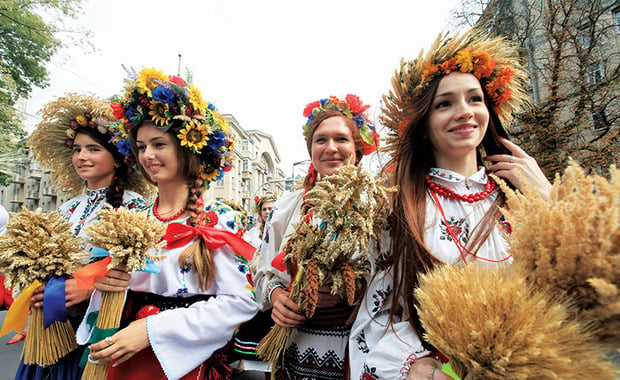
pixel 461 128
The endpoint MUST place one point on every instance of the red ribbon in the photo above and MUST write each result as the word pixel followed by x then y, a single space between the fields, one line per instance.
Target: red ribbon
pixel 278 262
pixel 178 235
pixel 86 275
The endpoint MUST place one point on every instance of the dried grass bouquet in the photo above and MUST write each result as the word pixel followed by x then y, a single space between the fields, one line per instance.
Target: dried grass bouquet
pixel 39 247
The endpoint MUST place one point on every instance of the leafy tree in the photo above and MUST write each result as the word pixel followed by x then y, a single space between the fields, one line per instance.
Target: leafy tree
pixel 28 40
pixel 570 49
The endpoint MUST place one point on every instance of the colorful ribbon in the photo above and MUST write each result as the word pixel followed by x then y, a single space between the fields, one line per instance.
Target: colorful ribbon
pixel 54 304
pixel 178 235
pixel 17 315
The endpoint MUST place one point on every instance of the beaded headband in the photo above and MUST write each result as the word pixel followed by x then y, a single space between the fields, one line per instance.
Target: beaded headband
pixel 173 105
pixel 353 108
pixel 52 141
pixel 493 60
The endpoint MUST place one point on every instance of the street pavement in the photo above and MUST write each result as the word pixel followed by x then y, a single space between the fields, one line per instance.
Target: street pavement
pixel 9 358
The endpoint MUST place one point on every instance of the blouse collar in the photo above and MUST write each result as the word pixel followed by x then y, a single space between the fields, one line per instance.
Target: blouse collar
pixel 95 194
pixel 449 176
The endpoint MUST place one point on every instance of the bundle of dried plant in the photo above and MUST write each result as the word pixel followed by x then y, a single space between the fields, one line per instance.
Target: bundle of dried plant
pixel 571 244
pixel 128 236
pixel 330 247
pixel 493 325
pixel 37 247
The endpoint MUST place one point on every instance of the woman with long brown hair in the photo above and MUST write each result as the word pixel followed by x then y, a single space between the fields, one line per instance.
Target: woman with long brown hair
pixel 445 113
pixel 178 320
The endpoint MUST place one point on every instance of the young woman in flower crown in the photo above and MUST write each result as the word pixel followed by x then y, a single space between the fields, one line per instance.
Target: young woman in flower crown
pixel 263 206
pixel 337 133
pixel 89 158
pixel 177 321
pixel 445 113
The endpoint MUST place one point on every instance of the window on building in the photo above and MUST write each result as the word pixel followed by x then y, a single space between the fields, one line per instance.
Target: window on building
pixel 595 73
pixel 584 35
pixel 597 121
pixel 219 183
pixel 617 18
pixel 247 165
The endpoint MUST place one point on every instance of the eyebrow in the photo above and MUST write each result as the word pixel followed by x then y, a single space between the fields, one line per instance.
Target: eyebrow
pixel 473 89
pixel 153 139
pixel 88 146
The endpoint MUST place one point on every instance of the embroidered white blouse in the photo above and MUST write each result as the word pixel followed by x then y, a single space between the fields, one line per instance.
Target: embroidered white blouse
pixel 381 352
pixel 183 338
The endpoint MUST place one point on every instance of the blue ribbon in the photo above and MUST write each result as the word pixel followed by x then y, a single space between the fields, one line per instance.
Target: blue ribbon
pixel 54 309
pixel 100 252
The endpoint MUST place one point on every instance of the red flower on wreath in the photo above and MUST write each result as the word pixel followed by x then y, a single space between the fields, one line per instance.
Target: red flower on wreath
pixel 356 104
pixel 117 110
pixel 177 80
pixel 310 107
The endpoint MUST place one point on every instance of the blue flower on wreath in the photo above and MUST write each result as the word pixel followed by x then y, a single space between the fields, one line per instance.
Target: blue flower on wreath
pixel 217 140
pixel 164 95
pixel 132 114
pixel 124 147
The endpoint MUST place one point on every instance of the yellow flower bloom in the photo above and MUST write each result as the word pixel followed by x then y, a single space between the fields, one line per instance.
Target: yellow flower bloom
pixel 147 79
pixel 81 120
pixel 194 136
pixel 70 133
pixel 195 98
pixel 464 60
pixel 208 177
pixel 158 113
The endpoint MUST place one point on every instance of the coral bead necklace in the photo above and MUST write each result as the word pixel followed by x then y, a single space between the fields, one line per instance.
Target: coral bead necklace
pixel 446 192
pixel 168 219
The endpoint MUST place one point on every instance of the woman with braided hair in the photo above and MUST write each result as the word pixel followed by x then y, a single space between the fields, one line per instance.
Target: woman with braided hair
pixel 177 321
pixel 445 114
pixel 263 206
pixel 337 133
pixel 79 141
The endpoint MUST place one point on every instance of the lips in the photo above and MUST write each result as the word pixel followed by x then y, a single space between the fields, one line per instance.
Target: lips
pixel 463 128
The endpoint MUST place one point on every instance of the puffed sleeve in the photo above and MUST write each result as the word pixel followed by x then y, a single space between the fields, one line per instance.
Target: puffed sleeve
pixel 379 350
pixel 285 213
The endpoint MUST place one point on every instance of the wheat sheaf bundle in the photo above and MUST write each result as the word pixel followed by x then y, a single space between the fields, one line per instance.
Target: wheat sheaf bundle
pixel 352 209
pixel 571 244
pixel 491 324
pixel 128 236
pixel 36 247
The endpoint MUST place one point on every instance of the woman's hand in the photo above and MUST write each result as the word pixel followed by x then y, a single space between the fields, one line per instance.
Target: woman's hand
pixel 73 295
pixel 422 369
pixel 285 312
pixel 508 166
pixel 122 345
pixel 116 280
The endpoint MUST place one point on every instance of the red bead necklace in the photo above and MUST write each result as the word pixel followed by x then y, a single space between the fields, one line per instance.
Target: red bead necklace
pixel 168 219
pixel 446 192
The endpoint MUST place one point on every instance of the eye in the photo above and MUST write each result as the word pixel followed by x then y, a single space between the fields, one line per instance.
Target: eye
pixel 141 148
pixel 76 149
pixel 320 140
pixel 476 99
pixel 442 104
pixel 160 144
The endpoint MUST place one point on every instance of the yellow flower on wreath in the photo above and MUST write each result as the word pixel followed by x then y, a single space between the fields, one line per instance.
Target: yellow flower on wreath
pixel 148 78
pixel 195 98
pixel 194 136
pixel 158 112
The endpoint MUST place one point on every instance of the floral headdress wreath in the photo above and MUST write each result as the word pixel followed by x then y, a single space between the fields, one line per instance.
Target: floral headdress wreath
pixel 353 108
pixel 52 141
pixel 259 201
pixel 493 60
pixel 171 104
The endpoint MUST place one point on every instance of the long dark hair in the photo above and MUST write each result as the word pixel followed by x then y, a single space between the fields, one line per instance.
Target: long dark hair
pixel 114 192
pixel 411 161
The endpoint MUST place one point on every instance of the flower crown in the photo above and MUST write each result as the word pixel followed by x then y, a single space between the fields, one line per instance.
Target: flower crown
pixel 353 108
pixel 259 201
pixel 171 104
pixel 493 60
pixel 60 119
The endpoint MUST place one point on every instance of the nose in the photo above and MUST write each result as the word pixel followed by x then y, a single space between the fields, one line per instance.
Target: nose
pixel 82 154
pixel 331 145
pixel 464 111
pixel 147 152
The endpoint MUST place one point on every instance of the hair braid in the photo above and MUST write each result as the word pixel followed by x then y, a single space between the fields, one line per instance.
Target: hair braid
pixel 114 192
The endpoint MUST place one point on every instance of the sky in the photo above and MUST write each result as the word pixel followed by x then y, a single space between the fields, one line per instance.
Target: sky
pixel 261 61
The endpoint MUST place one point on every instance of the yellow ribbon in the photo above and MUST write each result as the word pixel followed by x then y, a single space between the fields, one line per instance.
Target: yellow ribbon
pixel 17 316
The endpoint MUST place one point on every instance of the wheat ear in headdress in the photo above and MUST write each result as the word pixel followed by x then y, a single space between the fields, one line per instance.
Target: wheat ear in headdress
pixel 351 206
pixel 570 244
pixel 129 237
pixel 492 325
pixel 482 55
pixel 39 247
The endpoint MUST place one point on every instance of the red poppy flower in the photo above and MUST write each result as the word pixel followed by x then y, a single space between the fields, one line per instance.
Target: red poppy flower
pixel 177 80
pixel 210 218
pixel 117 110
pixel 310 107
pixel 355 103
